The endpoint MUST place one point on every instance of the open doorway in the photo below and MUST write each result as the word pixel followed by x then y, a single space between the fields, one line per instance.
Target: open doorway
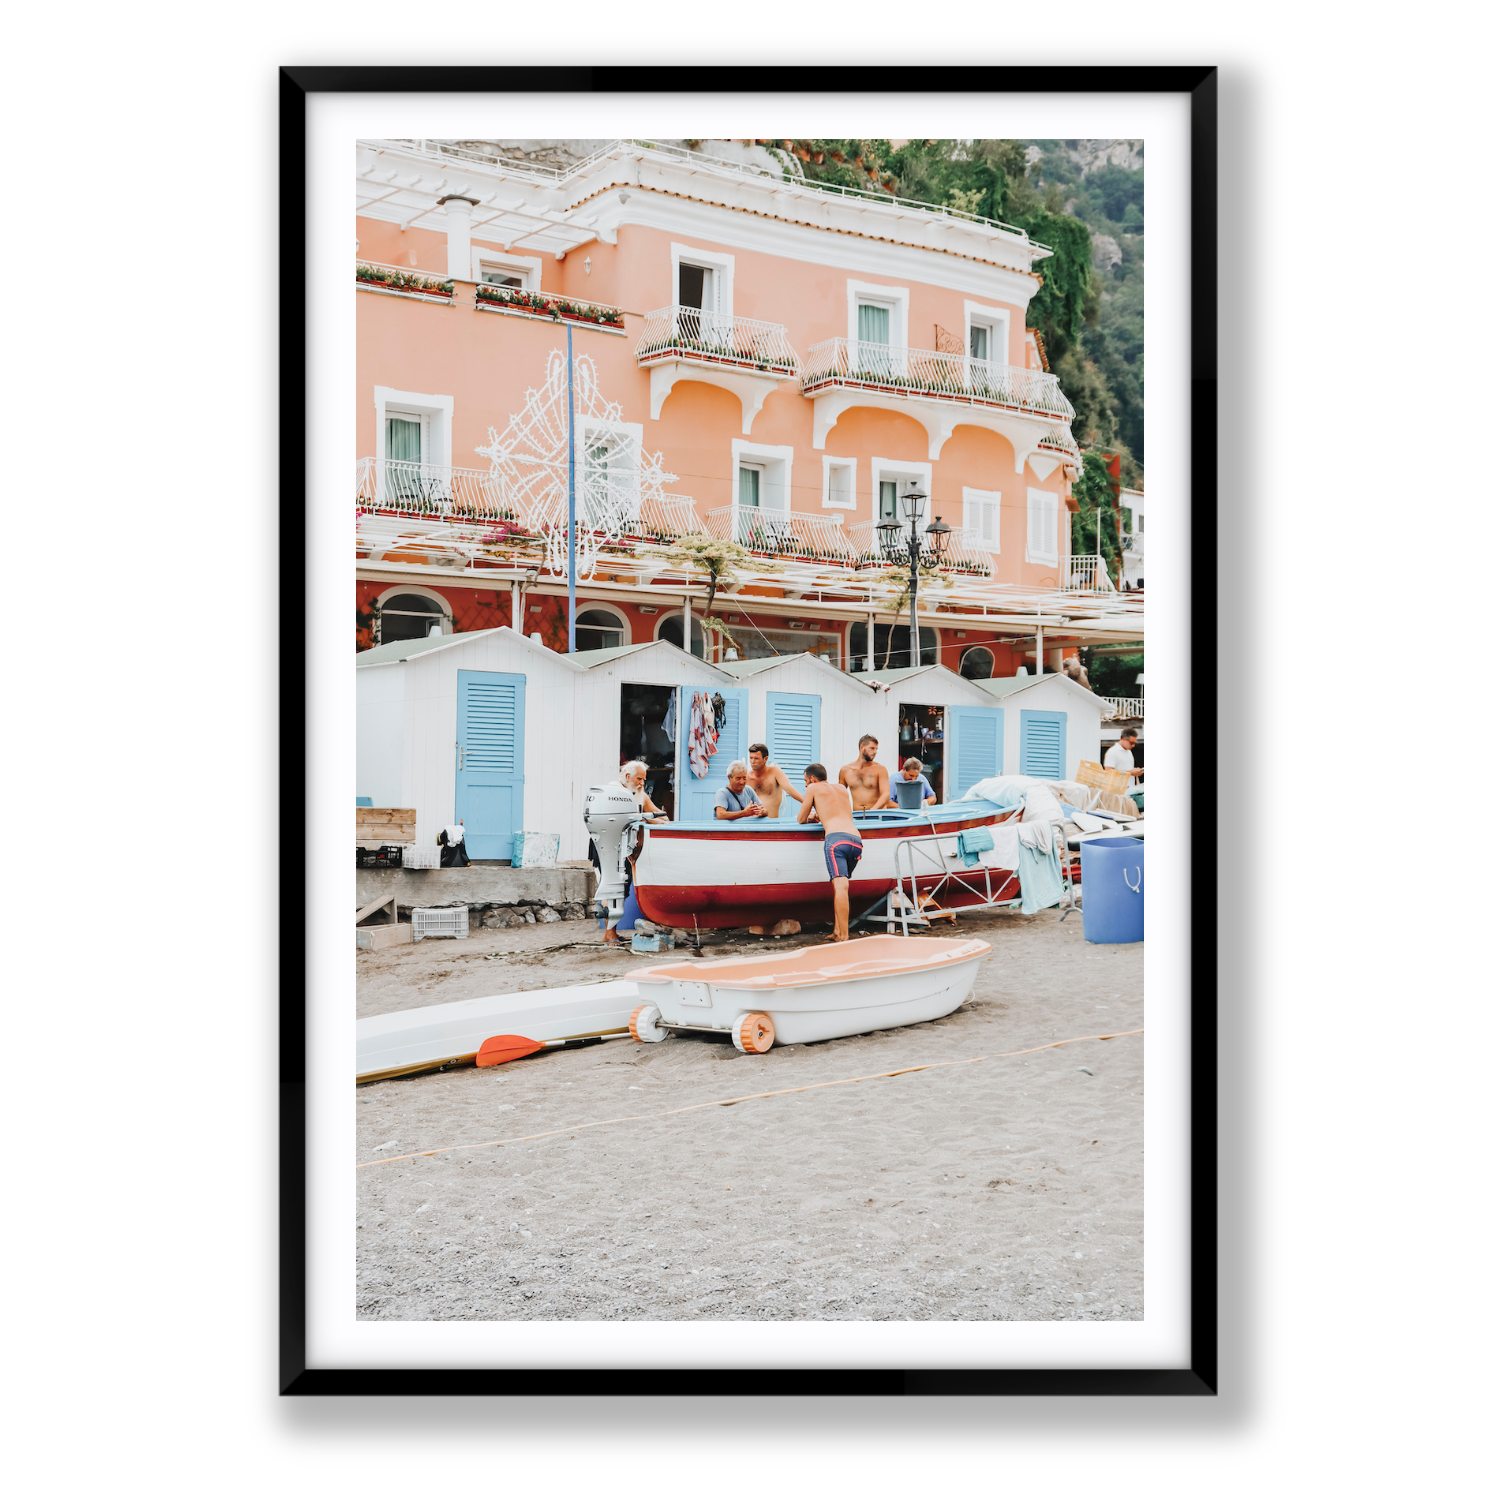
pixel 922 736
pixel 643 736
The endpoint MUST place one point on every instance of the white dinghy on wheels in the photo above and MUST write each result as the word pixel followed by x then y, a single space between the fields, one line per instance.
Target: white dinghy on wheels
pixel 810 995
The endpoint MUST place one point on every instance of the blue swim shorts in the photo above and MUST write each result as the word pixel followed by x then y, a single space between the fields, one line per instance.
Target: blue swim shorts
pixel 841 852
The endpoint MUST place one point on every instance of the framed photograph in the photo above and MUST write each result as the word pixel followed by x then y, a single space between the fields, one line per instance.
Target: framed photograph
pixel 754 986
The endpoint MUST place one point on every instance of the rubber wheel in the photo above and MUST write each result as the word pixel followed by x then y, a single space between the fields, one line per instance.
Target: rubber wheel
pixel 753 1032
pixel 645 1024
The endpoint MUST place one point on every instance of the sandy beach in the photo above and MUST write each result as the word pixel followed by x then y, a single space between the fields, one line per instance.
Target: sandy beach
pixel 1009 1188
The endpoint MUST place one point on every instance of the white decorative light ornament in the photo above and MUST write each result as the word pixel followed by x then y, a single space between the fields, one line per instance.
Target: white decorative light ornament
pixel 614 478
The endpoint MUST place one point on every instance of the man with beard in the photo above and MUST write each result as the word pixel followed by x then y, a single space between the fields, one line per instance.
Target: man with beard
pixel 868 782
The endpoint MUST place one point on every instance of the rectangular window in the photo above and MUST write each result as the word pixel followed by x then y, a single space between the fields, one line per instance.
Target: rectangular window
pixel 750 484
pixel 690 288
pixel 840 491
pixel 979 341
pixel 403 458
pixel 500 278
pixel 982 516
pixel 1041 526
pixel 874 324
pixel 888 500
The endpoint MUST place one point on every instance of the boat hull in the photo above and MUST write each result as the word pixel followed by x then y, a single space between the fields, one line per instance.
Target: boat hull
pixel 697 875
pixel 927 979
pixel 410 1041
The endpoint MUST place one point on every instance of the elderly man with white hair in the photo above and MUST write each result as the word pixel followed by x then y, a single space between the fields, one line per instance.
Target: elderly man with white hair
pixel 738 800
pixel 633 779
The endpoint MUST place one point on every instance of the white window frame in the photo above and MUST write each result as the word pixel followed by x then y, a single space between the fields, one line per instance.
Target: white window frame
pixel 437 426
pixel 527 267
pixel 1032 554
pixel 676 614
pixel 989 650
pixel 775 462
pixel 587 433
pixel 586 605
pixel 900 470
pixel 897 298
pixel 829 465
pixel 973 499
pixel 711 260
pixel 997 320
pixel 397 589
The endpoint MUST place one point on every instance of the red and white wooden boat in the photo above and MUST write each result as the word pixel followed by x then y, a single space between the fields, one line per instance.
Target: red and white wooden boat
pixel 753 872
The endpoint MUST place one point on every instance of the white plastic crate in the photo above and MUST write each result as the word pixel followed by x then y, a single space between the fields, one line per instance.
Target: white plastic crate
pixel 420 857
pixel 439 921
pixel 529 849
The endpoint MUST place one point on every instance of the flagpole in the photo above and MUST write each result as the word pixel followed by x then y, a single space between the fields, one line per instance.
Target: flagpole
pixel 572 511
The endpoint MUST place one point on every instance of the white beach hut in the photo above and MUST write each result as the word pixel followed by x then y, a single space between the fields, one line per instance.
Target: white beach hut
pixel 948 722
pixel 1050 724
pixel 495 731
pixel 803 709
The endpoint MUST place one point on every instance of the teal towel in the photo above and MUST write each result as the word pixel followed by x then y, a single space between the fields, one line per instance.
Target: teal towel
pixel 1041 880
pixel 972 842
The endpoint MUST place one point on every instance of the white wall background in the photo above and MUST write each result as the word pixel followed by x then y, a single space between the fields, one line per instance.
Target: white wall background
pixel 1358 1038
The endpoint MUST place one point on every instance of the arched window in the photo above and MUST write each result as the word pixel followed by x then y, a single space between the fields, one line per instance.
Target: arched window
pixel 597 627
pixel 670 629
pixel 410 617
pixel 977 662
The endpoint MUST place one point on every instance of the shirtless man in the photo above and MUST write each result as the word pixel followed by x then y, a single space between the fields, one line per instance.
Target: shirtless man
pixel 842 845
pixel 868 781
pixel 769 781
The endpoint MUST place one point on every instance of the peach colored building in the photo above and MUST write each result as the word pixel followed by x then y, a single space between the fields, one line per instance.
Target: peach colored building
pixel 753 358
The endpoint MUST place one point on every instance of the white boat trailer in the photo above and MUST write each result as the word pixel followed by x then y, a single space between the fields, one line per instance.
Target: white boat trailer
pixel 925 856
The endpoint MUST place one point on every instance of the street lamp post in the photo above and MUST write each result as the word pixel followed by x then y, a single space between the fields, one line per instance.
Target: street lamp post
pixel 894 545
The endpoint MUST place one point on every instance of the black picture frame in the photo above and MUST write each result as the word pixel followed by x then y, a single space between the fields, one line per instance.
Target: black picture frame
pixel 1200 1375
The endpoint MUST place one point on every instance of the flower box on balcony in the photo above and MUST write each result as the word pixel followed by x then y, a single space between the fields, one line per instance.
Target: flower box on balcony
pixel 390 280
pixel 539 304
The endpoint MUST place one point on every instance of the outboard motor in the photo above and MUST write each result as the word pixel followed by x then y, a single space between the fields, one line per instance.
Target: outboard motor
pixel 610 815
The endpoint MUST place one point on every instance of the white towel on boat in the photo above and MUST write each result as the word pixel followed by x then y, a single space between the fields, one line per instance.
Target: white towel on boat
pixel 1042 805
pixel 1037 835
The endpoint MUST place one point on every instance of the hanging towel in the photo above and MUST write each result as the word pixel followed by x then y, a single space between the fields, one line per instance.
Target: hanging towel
pixel 669 724
pixel 1041 880
pixel 973 842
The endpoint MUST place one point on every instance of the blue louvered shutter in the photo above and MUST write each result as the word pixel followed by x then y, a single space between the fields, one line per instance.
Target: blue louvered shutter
pixel 975 748
pixel 1044 743
pixel 491 752
pixel 793 736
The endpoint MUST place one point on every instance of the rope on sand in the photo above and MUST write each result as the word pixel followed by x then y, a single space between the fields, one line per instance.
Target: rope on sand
pixel 952 1062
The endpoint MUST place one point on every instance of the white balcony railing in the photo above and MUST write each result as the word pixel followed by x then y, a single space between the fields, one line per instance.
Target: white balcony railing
pixel 430 490
pixel 1124 708
pixel 696 334
pixel 965 552
pixel 930 374
pixel 666 517
pixel 1087 574
pixel 782 533
pixel 1131 543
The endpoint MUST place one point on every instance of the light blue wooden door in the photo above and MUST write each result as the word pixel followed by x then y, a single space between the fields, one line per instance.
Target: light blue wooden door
pixel 1044 743
pixel 794 724
pixel 975 750
pixel 695 797
pixel 491 761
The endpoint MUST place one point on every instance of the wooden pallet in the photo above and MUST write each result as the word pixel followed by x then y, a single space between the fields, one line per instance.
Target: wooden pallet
pixel 374 826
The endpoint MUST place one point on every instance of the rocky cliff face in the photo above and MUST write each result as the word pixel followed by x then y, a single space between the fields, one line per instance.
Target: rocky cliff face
pixel 1091 155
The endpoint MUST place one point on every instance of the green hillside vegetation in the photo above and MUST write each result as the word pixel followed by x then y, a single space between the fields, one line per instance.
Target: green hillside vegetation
pixel 1091 319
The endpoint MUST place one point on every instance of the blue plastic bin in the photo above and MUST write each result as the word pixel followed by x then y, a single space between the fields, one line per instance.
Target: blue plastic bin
pixel 1114 890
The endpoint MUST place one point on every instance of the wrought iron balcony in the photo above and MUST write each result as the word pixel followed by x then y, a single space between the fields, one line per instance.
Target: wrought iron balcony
pixel 782 533
pixel 964 553
pixel 667 517
pixel 1087 574
pixel 416 489
pixel 703 337
pixel 929 374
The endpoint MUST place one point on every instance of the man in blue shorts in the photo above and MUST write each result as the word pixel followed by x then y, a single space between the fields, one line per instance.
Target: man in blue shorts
pixel 842 845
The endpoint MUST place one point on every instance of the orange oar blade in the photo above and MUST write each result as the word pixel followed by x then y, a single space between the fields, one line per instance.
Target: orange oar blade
pixel 503 1049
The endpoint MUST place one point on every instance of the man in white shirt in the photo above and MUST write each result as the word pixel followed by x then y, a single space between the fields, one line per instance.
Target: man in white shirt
pixel 1121 757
